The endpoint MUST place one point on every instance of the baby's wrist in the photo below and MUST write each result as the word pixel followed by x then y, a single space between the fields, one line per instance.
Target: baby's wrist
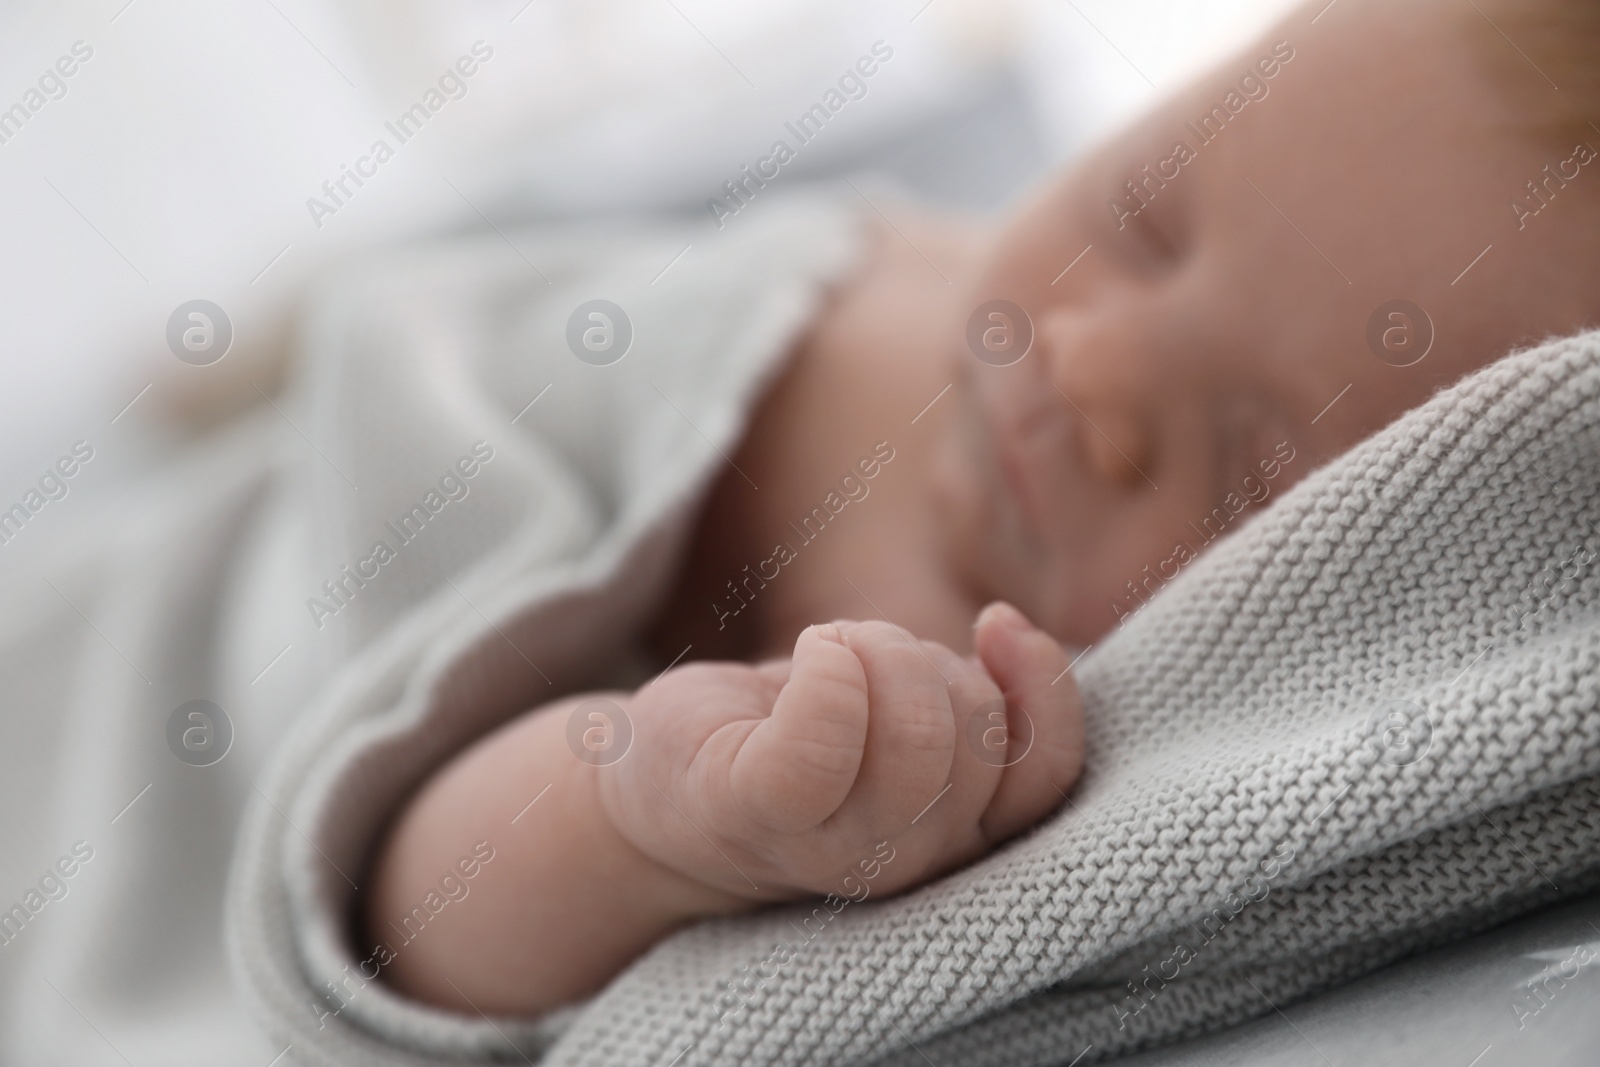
pixel 572 900
pixel 668 895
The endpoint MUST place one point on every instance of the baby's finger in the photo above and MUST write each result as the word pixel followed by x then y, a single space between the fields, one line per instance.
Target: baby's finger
pixel 1044 719
pixel 798 765
pixel 910 739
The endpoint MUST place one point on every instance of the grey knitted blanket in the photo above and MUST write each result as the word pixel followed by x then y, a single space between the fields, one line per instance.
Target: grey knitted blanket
pixel 1367 723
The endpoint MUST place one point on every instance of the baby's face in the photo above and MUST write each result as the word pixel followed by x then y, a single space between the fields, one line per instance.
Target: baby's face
pixel 1191 337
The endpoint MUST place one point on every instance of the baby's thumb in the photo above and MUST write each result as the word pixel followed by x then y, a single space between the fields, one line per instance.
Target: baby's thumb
pixel 1044 719
pixel 798 765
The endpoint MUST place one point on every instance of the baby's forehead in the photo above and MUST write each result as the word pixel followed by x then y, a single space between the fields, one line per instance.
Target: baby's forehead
pixel 1367 74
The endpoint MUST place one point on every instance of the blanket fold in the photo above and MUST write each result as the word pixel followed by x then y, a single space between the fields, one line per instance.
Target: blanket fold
pixel 490 547
pixel 467 501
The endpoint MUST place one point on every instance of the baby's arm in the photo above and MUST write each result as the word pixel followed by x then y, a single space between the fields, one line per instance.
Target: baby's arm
pixel 744 785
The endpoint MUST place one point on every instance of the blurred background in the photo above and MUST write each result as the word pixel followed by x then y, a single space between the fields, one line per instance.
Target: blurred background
pixel 178 161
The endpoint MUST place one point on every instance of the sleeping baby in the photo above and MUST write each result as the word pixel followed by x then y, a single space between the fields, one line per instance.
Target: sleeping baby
pixel 992 446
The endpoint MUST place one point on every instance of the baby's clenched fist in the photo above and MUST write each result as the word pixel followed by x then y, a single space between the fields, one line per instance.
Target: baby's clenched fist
pixel 774 781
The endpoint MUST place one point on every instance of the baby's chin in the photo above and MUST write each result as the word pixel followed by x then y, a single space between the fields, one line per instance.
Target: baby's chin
pixel 958 490
pixel 961 482
pixel 985 538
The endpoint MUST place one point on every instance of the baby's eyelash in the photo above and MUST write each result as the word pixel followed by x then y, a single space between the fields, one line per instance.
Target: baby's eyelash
pixel 1155 235
pixel 1147 243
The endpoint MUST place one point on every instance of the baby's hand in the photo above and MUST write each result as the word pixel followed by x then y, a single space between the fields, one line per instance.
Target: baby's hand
pixel 772 782
pixel 742 785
